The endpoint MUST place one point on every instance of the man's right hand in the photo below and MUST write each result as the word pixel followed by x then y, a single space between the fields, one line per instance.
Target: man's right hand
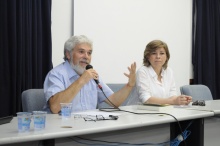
pixel 90 74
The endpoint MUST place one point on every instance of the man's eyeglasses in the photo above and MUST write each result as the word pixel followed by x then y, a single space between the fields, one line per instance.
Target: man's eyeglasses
pixel 199 102
pixel 100 118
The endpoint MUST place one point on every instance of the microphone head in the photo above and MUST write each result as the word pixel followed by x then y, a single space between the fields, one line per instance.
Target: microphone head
pixel 88 66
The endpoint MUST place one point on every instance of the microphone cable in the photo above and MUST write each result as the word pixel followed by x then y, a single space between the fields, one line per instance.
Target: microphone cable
pixel 174 142
pixel 115 107
pixel 89 66
pixel 118 109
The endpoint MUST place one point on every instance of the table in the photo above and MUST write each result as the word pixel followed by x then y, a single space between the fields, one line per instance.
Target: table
pixel 211 105
pixel 126 121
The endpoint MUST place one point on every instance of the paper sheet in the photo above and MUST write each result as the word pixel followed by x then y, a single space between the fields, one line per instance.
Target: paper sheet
pixel 94 113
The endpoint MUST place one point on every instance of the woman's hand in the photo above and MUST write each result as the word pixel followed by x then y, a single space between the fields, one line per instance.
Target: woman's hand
pixel 182 100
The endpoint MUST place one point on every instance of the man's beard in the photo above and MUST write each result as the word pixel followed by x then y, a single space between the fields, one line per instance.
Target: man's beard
pixel 78 69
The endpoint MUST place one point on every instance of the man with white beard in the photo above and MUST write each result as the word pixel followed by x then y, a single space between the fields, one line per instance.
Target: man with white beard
pixel 70 82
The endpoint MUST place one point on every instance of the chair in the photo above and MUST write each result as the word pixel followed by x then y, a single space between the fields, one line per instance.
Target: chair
pixel 115 87
pixel 33 100
pixel 198 92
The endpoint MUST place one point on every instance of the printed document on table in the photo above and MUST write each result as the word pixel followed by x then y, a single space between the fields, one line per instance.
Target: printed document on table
pixel 95 113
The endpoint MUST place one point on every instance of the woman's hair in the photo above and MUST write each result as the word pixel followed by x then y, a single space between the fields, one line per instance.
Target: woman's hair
pixel 152 47
pixel 73 41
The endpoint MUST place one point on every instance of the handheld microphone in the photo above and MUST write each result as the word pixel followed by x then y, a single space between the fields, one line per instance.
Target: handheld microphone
pixel 97 81
pixel 89 66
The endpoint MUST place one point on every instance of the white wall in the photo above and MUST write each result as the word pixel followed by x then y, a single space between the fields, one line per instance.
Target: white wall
pixel 120 30
pixel 61 28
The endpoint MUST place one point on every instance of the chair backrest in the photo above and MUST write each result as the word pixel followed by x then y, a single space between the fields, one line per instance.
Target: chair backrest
pixel 115 88
pixel 33 100
pixel 198 92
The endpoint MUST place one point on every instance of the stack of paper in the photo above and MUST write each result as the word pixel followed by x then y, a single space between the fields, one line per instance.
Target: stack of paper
pixel 155 107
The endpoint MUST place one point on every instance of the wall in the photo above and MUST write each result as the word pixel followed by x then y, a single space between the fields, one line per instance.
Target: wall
pixel 61 28
pixel 120 30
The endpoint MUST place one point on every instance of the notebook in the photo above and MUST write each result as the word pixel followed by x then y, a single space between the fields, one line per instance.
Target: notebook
pixel 155 107
pixel 4 120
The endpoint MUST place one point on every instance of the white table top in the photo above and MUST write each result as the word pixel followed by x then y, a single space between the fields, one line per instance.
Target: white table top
pixel 211 105
pixel 9 133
